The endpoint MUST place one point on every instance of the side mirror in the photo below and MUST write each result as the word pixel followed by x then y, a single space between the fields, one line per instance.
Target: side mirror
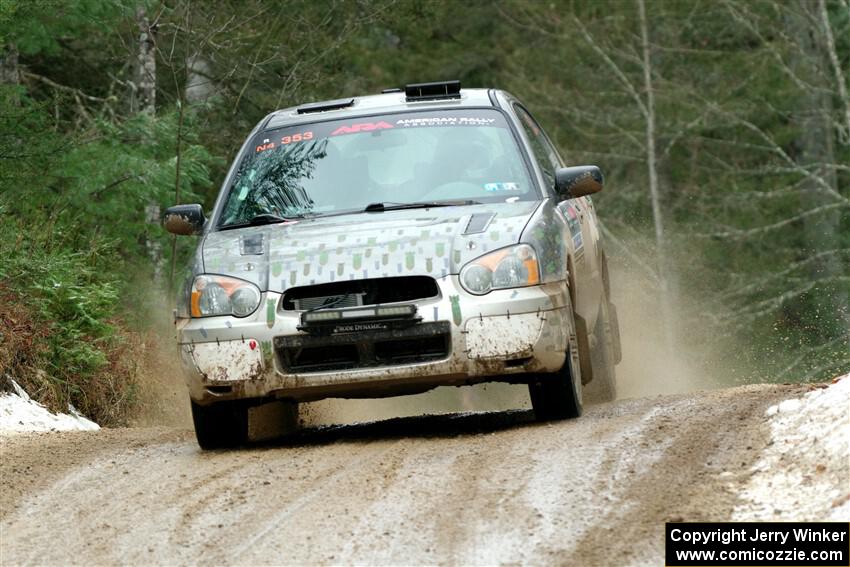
pixel 578 181
pixel 184 219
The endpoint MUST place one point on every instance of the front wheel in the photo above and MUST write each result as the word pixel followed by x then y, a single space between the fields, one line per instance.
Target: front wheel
pixel 221 425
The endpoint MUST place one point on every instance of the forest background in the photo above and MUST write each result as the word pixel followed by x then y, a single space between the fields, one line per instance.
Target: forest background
pixel 723 127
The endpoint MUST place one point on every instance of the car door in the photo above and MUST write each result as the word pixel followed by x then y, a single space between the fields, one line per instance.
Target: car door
pixel 582 236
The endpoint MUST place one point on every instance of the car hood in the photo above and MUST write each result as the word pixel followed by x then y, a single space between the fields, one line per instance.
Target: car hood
pixel 434 242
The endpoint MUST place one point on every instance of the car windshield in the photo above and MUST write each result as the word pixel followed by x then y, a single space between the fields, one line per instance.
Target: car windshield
pixel 345 165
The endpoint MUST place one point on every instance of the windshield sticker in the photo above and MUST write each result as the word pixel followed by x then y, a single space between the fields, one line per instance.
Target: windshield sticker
pixel 575 227
pixel 502 187
pixel 361 127
pixel 300 137
pixel 446 121
pixel 266 145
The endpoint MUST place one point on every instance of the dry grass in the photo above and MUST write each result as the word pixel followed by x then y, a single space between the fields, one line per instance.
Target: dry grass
pixel 107 396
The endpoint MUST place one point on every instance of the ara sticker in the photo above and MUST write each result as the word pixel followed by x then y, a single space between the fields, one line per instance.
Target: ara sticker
pixel 501 187
pixel 266 145
pixel 361 127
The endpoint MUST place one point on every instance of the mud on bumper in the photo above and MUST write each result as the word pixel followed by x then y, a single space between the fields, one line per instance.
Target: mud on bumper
pixel 462 339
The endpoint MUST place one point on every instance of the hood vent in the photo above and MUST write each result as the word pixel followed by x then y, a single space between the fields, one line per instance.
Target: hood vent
pixel 251 245
pixel 478 223
pixel 324 106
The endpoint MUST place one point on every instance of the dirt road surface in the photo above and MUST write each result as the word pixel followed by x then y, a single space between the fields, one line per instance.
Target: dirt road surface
pixel 461 489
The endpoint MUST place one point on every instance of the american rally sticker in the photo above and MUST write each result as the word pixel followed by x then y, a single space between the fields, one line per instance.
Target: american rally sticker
pixel 446 121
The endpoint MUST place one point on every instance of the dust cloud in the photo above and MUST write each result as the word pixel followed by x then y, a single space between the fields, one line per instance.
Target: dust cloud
pixel 651 365
pixel 162 397
pixel 161 394
pixel 693 357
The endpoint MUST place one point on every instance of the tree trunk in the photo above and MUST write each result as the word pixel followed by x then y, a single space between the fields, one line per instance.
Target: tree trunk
pixel 828 42
pixel 815 146
pixel 143 99
pixel 199 86
pixel 9 73
pixel 143 95
pixel 652 170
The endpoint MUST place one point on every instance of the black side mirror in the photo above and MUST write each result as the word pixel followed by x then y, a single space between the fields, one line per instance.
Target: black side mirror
pixel 184 219
pixel 578 181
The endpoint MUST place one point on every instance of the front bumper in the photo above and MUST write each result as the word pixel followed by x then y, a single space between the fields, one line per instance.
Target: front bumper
pixel 494 337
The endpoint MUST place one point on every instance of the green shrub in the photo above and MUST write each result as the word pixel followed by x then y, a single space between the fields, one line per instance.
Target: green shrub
pixel 62 340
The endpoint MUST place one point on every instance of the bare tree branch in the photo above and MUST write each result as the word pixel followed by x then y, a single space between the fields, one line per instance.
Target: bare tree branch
pixel 739 234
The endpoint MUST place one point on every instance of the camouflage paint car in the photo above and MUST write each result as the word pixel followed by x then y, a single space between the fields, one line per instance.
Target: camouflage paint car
pixel 390 244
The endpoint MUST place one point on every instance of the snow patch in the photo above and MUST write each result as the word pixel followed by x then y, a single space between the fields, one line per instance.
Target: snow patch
pixel 19 413
pixel 804 472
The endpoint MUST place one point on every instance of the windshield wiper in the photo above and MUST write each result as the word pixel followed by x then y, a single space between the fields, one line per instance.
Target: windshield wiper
pixel 261 219
pixel 390 206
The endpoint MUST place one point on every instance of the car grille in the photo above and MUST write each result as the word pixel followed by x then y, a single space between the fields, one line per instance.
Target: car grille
pixel 351 293
pixel 335 301
pixel 365 349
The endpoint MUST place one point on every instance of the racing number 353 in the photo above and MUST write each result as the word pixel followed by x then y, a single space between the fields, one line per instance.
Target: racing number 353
pixel 296 138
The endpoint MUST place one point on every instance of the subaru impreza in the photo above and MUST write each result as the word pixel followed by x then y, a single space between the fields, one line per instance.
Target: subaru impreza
pixel 386 245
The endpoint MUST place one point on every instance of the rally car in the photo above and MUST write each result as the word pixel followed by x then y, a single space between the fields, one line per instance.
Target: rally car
pixel 389 244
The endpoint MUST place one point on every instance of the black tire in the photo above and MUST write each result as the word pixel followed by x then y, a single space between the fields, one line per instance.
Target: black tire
pixel 558 395
pixel 221 425
pixel 603 387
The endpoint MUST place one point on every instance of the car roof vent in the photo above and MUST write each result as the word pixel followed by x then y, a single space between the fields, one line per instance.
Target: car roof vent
pixel 325 105
pixel 432 91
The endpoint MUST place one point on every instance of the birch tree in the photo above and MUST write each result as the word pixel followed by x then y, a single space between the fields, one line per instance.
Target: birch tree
pixel 647 107
pixel 9 73
pixel 818 124
pixel 621 60
pixel 143 85
pixel 143 100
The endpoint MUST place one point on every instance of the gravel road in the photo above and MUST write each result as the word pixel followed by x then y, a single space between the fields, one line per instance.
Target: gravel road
pixel 460 489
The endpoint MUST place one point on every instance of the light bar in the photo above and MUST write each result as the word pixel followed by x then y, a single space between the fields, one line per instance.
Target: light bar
pixel 374 312
pixel 357 313
pixel 432 91
pixel 317 316
pixel 396 311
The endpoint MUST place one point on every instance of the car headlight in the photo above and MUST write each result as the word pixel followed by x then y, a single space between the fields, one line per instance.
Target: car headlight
pixel 515 266
pixel 220 295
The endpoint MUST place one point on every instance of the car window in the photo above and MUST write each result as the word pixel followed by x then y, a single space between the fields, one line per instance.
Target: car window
pixel 543 150
pixel 345 165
